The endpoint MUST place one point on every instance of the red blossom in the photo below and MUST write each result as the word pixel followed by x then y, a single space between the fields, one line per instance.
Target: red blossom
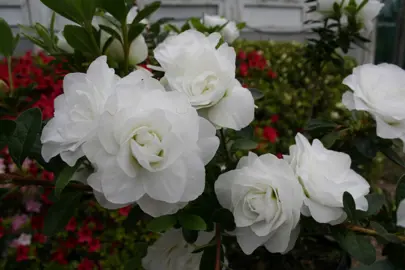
pixel 86 264
pixel 44 196
pixel 22 253
pixel 274 118
pixel 279 155
pixel 37 222
pixel 84 235
pixel 1 231
pixel 243 69
pixel 125 210
pixel 94 245
pixel 242 55
pixel 270 134
pixel 40 238
pixel 70 243
pixel 72 224
pixel 272 74
pixel 59 257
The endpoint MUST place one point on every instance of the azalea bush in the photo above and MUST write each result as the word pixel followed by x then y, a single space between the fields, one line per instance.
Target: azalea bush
pixel 176 150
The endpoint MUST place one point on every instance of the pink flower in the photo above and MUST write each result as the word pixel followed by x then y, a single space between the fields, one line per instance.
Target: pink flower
pixel 33 206
pixel 19 221
pixel 23 240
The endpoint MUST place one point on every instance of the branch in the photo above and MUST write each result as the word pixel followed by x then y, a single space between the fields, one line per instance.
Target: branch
pixel 20 180
pixel 371 232
pixel 218 250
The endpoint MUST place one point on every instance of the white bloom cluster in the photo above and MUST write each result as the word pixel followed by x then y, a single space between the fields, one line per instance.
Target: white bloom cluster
pixel 229 32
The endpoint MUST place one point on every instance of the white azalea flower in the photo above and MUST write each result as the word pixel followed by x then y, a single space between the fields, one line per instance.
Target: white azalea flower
pixel 230 32
pixel 379 90
pixel 77 111
pixel 172 252
pixel 265 198
pixel 151 148
pixel 401 214
pixel 138 50
pixel 325 175
pixel 194 66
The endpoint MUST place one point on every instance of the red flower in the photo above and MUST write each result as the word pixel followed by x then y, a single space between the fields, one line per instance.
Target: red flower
pixel 243 69
pixel 1 231
pixel 86 264
pixel 59 257
pixel 270 134
pixel 44 196
pixel 94 245
pixel 242 55
pixel 40 238
pixel 125 210
pixel 279 155
pixel 37 222
pixel 70 243
pixel 84 235
pixel 275 118
pixel 272 74
pixel 22 253
pixel 72 224
pixel 93 224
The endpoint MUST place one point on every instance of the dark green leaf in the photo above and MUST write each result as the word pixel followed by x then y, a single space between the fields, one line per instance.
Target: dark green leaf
pixel 135 263
pixel 384 234
pixel 197 24
pixel 28 125
pixel 359 247
pixel 349 206
pixel 189 235
pixel 7 39
pixel 208 258
pixel 64 177
pixel 225 218
pixel 329 139
pixel 380 265
pixel 375 203
pixel 257 94
pixel 117 8
pixel 78 38
pixel 316 123
pixel 60 212
pixel 400 190
pixel 65 8
pixel 133 217
pixel 135 30
pixel 162 223
pixel 7 128
pixel 111 31
pixel 393 156
pixel 366 147
pixel 244 144
pixel 146 12
pixel 192 222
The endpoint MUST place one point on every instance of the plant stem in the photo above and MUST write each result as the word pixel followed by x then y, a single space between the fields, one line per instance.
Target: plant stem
pixel 89 28
pixel 10 75
pixel 371 232
pixel 19 180
pixel 218 250
pixel 228 158
pixel 125 47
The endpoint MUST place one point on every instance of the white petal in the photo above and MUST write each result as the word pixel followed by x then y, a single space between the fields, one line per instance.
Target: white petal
pixel 323 214
pixel 401 214
pixel 223 188
pixel 71 157
pixel 157 208
pixel 138 50
pixel 195 178
pixel 105 203
pixel 235 110
pixel 248 241
pixel 348 100
pixel 207 141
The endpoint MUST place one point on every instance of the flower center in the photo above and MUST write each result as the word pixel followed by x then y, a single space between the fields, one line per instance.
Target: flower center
pixel 146 148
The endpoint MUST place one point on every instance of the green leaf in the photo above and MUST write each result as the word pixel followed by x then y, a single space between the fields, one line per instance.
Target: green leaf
pixel 366 147
pixel 189 235
pixel 192 222
pixel 28 125
pixel 244 144
pixel 162 223
pixel 257 94
pixel 349 206
pixel 384 234
pixel 117 8
pixel 400 190
pixel 380 265
pixel 241 25
pixel 64 177
pixel 359 247
pixel 133 217
pixel 111 31
pixel 64 8
pixel 225 218
pixel 78 38
pixel 316 123
pixel 146 12
pixel 393 156
pixel 60 212
pixel 208 258
pixel 375 203
pixel 329 139
pixel 135 263
pixel 7 128
pixel 197 24
pixel 7 39
pixel 135 30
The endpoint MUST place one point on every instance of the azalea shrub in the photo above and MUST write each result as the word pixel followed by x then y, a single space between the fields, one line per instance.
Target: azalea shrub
pixel 171 144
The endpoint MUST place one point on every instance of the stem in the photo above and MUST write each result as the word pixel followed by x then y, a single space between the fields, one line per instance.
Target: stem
pixel 370 232
pixel 125 47
pixel 228 158
pixel 10 75
pixel 89 28
pixel 218 250
pixel 20 180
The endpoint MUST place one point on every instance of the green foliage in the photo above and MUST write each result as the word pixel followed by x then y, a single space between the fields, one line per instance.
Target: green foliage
pixel 64 177
pixel 8 41
pixel 192 222
pixel 162 223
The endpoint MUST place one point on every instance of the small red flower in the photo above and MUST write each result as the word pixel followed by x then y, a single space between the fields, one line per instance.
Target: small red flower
pixel 72 224
pixel 86 264
pixel 84 235
pixel 70 243
pixel 37 222
pixel 279 155
pixel 44 196
pixel 94 245
pixel 22 253
pixel 275 118
pixel 1 231
pixel 270 134
pixel 40 238
pixel 242 55
pixel 272 74
pixel 243 69
pixel 125 210
pixel 59 257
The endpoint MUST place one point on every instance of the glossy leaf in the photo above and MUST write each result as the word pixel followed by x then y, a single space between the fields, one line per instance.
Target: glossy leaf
pixel 192 222
pixel 400 190
pixel 117 8
pixel 146 12
pixel 162 223
pixel 7 39
pixel 7 128
pixel 359 247
pixel 78 38
pixel 349 206
pixel 64 177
